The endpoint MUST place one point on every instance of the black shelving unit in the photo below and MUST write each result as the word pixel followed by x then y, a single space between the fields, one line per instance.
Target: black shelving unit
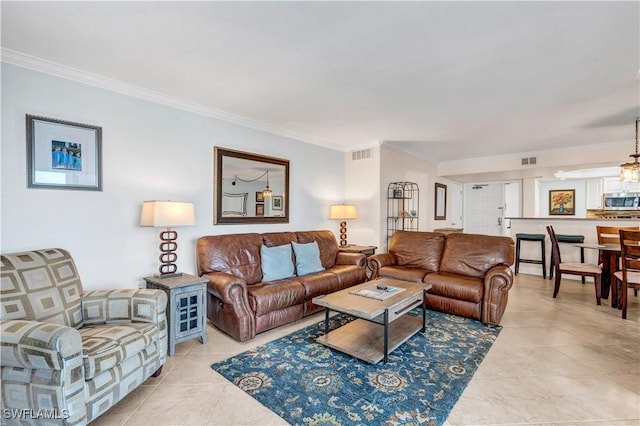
pixel 402 207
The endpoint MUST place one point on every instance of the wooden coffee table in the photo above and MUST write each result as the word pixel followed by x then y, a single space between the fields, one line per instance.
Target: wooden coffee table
pixel 381 325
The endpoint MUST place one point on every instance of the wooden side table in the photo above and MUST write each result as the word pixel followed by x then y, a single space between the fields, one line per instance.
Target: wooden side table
pixel 186 307
pixel 354 248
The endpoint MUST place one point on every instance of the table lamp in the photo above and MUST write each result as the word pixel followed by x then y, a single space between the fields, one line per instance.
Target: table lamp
pixel 342 212
pixel 167 214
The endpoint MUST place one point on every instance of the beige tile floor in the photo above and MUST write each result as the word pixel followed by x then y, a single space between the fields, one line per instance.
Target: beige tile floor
pixel 563 361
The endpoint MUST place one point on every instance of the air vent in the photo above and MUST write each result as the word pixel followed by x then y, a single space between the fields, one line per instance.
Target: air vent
pixel 532 160
pixel 525 161
pixel 363 154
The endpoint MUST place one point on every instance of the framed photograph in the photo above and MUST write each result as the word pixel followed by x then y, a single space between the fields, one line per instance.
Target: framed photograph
pixel 276 202
pixel 63 155
pixel 259 209
pixel 562 202
pixel 440 202
pixel 259 197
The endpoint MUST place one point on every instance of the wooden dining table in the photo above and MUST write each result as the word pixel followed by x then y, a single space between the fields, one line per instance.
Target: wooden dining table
pixel 610 260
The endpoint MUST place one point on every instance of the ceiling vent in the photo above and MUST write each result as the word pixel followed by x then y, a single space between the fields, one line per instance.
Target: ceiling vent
pixel 529 161
pixel 525 161
pixel 363 154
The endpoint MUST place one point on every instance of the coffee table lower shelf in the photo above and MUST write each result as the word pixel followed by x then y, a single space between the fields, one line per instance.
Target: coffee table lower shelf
pixel 365 340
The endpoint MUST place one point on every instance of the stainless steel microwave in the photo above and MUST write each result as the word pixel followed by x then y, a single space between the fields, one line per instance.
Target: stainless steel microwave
pixel 621 201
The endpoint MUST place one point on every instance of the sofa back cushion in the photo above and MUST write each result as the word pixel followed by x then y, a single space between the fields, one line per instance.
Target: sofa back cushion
pixel 417 249
pixel 326 243
pixel 473 254
pixel 235 254
pixel 273 239
pixel 41 285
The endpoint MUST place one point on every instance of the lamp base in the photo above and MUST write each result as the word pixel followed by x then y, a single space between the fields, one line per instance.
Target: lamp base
pixel 343 234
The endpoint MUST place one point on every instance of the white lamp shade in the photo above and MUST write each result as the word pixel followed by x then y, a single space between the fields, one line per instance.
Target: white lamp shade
pixel 167 213
pixel 343 211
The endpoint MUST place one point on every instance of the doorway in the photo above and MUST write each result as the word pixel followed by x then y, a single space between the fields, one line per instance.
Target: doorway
pixel 487 205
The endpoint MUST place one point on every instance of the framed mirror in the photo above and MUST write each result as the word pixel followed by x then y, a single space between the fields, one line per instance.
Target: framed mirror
pixel 441 202
pixel 250 188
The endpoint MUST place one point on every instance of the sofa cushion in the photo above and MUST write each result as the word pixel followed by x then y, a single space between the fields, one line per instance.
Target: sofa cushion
pixel 319 284
pixel 272 239
pixel 236 254
pixel 473 254
pixel 349 275
pixel 455 286
pixel 276 262
pixel 404 273
pixel 417 249
pixel 307 258
pixel 326 242
pixel 275 295
pixel 105 346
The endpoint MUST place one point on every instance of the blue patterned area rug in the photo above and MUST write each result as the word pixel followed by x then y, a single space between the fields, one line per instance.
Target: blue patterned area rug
pixel 306 383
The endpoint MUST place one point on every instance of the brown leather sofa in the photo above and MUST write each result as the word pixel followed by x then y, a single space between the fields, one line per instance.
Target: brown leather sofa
pixel 470 274
pixel 241 305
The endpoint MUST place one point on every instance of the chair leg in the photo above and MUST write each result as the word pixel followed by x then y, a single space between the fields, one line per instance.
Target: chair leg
pixel 544 261
pixel 598 284
pixel 556 286
pixel 517 256
pixel 582 261
pixel 157 372
pixel 551 266
pixel 623 300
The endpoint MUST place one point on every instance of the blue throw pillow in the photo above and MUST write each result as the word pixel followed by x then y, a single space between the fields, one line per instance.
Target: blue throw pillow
pixel 307 258
pixel 276 262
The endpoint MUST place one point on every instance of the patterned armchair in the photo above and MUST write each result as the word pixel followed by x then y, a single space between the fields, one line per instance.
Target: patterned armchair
pixel 67 356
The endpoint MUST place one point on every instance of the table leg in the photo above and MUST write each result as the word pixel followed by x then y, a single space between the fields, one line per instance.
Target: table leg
pixel 613 267
pixel 326 321
pixel 386 334
pixel 424 311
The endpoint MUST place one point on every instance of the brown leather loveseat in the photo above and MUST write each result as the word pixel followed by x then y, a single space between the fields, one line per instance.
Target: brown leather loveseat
pixel 241 305
pixel 470 274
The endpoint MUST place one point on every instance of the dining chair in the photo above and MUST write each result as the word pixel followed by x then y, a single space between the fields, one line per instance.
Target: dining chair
pixel 611 235
pixel 629 276
pixel 580 269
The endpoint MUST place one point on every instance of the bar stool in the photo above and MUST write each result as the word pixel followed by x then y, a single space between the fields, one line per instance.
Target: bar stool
pixel 531 237
pixel 569 239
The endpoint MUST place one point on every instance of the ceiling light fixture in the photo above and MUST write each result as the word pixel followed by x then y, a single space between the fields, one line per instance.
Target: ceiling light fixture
pixel 630 172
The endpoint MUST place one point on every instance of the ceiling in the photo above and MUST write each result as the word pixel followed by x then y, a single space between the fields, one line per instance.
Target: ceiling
pixel 442 80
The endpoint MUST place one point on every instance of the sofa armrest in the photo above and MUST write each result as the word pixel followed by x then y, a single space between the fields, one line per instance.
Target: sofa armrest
pixel 358 259
pixel 124 305
pixel 39 345
pixel 380 260
pixel 228 305
pixel 497 283
pixel 39 356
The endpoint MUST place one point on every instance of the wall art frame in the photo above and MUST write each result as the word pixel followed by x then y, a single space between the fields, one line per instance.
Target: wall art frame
pixel 562 202
pixel 63 154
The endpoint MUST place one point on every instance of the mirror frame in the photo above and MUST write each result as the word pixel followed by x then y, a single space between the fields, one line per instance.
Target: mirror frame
pixel 440 204
pixel 218 218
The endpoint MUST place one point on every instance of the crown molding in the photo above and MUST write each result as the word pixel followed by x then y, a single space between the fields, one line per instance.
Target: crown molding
pixel 74 74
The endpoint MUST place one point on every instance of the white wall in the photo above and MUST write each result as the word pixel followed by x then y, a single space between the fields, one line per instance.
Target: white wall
pixel 150 151
pixel 397 166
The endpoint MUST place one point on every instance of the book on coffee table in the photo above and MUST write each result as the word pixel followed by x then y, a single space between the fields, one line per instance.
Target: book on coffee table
pixel 372 292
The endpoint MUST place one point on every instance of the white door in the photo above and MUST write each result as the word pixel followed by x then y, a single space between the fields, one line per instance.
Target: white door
pixel 487 204
pixel 512 203
pixel 456 205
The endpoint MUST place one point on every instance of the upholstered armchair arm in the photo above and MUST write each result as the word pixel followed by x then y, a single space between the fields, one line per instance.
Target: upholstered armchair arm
pixel 497 283
pixel 358 259
pixel 228 305
pixel 377 261
pixel 38 345
pixel 37 357
pixel 124 305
